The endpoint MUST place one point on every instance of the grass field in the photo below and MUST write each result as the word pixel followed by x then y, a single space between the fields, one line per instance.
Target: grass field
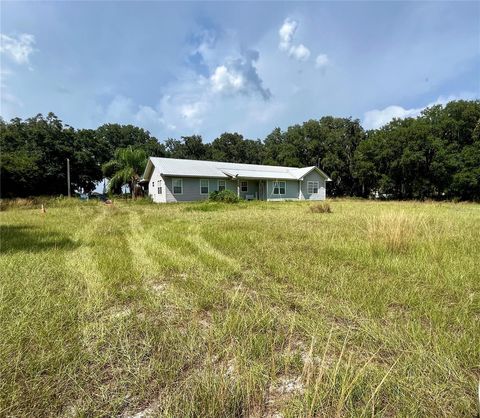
pixel 256 309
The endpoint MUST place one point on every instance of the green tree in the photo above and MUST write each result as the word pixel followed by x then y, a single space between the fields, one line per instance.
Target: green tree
pixel 329 143
pixel 189 147
pixel 125 169
pixel 228 147
pixel 272 145
pixel 116 136
pixel 434 155
pixel 34 154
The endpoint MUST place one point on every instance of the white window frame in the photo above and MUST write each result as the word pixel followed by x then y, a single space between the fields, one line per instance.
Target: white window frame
pixel 276 185
pixel 153 184
pixel 208 186
pixel 173 186
pixel 160 188
pixel 224 185
pixel 246 187
pixel 312 185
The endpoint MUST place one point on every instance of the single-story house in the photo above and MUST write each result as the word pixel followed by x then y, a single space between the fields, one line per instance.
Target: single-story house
pixel 175 180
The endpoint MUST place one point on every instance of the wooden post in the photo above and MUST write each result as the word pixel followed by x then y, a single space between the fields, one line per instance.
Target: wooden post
pixel 68 177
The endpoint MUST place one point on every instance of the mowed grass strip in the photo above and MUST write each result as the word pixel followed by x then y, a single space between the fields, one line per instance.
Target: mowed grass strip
pixel 253 309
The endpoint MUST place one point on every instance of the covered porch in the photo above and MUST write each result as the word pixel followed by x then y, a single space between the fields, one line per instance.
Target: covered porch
pixel 251 189
pixel 264 184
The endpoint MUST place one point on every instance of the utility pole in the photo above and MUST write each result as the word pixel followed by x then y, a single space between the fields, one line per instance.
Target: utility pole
pixel 68 177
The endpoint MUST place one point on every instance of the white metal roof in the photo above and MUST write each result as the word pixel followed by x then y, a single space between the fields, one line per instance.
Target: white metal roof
pixel 199 168
pixel 257 174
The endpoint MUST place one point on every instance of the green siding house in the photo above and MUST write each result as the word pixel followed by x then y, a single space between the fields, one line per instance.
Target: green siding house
pixel 174 180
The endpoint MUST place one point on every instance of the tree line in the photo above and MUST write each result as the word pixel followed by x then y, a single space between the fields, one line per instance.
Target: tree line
pixel 435 155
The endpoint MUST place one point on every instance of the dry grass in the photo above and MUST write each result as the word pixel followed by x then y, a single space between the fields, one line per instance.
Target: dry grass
pixel 323 207
pixel 17 203
pixel 256 309
pixel 394 231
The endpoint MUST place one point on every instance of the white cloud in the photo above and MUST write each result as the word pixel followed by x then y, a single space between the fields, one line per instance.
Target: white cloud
pixel 239 75
pixel 322 61
pixel 185 107
pixel 151 118
pixel 299 52
pixel 225 80
pixel 193 112
pixel 17 48
pixel 222 78
pixel 286 33
pixel 374 119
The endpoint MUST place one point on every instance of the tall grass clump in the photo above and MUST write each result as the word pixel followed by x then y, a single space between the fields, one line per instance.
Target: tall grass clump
pixel 393 231
pixel 323 207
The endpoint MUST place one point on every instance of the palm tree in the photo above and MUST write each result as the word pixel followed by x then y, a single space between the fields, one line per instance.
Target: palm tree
pixel 126 168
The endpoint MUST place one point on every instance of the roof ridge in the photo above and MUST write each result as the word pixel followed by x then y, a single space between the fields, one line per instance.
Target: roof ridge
pixel 224 162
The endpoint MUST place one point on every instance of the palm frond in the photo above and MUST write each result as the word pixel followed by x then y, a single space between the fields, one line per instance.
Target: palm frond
pixel 126 168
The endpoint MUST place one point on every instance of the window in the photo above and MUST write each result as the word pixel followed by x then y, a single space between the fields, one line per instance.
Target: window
pixel 244 186
pixel 159 187
pixel 312 187
pixel 279 187
pixel 221 185
pixel 153 184
pixel 203 186
pixel 177 186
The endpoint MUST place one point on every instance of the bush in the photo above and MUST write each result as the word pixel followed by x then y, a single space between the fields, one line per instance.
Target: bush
pixel 225 196
pixel 321 208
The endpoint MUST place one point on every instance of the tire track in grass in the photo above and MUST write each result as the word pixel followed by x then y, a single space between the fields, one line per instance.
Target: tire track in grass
pixel 81 260
pixel 156 277
pixel 102 242
pixel 113 256
pixel 165 248
pixel 141 244
pixel 137 241
pixel 106 264
pixel 205 248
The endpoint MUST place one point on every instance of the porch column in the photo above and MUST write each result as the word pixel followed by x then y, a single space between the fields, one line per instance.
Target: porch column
pixel 238 187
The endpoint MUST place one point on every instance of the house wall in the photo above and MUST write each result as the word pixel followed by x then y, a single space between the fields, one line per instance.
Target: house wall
pixel 191 189
pixel 153 187
pixel 291 192
pixel 313 176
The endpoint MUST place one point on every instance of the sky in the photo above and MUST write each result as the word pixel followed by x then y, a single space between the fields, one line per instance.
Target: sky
pixel 184 68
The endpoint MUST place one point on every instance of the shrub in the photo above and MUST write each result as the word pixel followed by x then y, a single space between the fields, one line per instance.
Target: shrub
pixel 225 196
pixel 323 207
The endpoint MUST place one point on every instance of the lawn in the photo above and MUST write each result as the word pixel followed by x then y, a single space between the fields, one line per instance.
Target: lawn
pixel 256 309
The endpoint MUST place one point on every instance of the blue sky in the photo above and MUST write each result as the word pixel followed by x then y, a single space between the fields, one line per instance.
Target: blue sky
pixel 206 68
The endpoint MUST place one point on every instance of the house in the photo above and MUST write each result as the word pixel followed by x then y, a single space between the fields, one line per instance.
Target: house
pixel 175 180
